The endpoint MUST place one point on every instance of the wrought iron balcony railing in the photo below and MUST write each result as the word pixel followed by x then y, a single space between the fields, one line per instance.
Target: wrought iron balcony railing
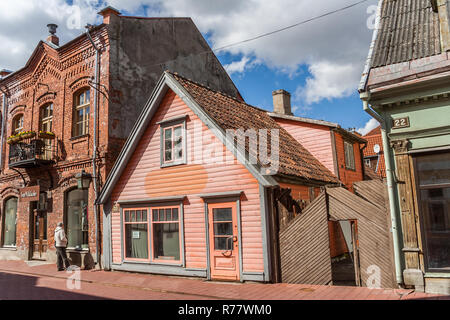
pixel 31 153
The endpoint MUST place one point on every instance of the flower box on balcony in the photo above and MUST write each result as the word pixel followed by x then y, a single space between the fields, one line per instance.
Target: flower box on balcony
pixel 27 135
pixel 46 135
pixel 14 139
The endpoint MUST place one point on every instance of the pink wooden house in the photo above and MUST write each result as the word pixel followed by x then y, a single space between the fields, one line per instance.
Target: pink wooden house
pixel 181 199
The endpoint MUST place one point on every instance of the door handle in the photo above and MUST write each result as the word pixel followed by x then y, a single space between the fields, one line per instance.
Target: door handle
pixel 227 253
pixel 235 239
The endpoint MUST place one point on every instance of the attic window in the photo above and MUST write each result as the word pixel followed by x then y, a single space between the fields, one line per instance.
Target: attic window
pixel 173 143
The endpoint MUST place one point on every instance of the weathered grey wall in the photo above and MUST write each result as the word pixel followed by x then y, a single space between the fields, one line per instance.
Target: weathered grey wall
pixel 139 53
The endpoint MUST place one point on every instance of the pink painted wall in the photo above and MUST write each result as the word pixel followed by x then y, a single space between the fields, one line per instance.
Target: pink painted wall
pixel 143 178
pixel 316 139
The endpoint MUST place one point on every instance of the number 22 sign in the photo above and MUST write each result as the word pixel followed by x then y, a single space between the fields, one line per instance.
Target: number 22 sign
pixel 400 123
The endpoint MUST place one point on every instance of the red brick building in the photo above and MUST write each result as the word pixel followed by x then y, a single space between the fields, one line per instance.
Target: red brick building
pixel 69 109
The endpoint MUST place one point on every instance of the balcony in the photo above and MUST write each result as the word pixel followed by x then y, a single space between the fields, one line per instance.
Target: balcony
pixel 30 153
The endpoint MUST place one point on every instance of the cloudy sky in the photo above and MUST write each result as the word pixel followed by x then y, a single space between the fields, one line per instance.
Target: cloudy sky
pixel 319 62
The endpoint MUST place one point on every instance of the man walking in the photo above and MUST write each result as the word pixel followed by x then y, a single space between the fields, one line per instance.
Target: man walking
pixel 61 244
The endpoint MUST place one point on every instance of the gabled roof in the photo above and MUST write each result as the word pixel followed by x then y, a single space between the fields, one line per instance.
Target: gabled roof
pixel 230 113
pixel 222 112
pixel 42 46
pixel 373 132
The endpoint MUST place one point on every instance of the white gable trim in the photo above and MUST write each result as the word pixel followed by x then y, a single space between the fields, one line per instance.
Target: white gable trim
pixel 166 82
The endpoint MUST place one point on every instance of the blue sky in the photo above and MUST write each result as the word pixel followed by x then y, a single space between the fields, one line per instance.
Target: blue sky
pixel 320 62
pixel 257 84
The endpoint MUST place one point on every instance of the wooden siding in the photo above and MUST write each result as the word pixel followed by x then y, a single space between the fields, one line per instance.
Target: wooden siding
pixel 316 139
pixel 143 178
pixel 347 176
pixel 304 247
pixel 373 232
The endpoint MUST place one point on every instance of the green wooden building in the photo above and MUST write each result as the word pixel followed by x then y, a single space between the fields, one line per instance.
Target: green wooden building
pixel 406 87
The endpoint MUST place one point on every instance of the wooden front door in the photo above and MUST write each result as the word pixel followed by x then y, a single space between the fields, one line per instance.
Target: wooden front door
pixel 223 241
pixel 40 234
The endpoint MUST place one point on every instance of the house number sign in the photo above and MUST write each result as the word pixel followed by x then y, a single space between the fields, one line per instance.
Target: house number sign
pixel 400 123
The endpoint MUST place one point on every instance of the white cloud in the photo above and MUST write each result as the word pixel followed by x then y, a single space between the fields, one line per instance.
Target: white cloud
pixel 370 125
pixel 240 66
pixel 329 80
pixel 339 40
pixel 237 66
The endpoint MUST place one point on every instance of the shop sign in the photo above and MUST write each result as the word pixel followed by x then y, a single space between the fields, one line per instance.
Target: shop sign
pixel 29 194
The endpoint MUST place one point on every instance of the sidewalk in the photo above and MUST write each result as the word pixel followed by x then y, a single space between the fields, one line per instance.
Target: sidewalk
pixel 42 281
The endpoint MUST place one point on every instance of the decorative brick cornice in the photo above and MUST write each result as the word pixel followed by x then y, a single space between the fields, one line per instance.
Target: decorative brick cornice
pixel 46 97
pixel 79 83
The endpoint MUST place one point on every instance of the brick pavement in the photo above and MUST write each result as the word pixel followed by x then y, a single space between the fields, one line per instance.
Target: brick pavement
pixel 20 281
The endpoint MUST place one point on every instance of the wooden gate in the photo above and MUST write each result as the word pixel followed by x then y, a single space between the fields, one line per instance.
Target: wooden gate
pixel 304 246
pixel 304 242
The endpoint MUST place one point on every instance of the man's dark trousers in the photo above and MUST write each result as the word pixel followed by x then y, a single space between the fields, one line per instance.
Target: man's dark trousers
pixel 61 258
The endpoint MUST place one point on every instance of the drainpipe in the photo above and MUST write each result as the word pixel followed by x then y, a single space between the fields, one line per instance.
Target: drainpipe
pixel 390 182
pixel 94 153
pixel 5 99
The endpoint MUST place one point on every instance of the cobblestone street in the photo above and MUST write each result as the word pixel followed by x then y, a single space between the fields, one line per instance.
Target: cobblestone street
pixel 18 280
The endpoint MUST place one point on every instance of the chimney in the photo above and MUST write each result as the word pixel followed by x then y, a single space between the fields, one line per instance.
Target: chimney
pixel 52 38
pixel 108 13
pixel 282 102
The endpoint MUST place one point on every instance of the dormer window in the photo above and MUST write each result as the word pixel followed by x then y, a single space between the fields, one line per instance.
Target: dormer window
pixel 173 142
pixel 17 124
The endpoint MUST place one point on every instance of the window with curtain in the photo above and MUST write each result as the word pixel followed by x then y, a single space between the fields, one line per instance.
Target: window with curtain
pixel 166 233
pixel 17 124
pixel 82 102
pixel 434 190
pixel 349 155
pixel 9 222
pixel 136 233
pixel 77 219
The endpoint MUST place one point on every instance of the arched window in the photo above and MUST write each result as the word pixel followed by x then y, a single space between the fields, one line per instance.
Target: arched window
pixel 9 222
pixel 81 113
pixel 17 124
pixel 76 218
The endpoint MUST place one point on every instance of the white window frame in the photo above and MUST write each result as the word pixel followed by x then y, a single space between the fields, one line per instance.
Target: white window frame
pixel 172 124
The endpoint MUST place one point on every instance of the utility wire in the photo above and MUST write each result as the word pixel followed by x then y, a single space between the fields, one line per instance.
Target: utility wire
pixel 291 26
pixel 270 33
